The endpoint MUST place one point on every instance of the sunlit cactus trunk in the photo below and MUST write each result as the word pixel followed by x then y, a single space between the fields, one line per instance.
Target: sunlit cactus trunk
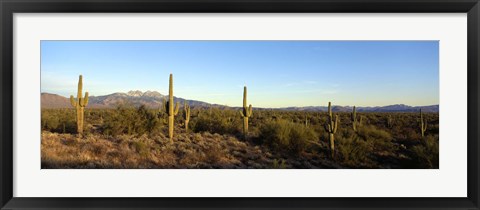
pixel 389 121
pixel 423 124
pixel 306 121
pixel 246 112
pixel 331 138
pixel 186 109
pixel 245 126
pixel 331 127
pixel 171 110
pixel 80 105
pixel 354 119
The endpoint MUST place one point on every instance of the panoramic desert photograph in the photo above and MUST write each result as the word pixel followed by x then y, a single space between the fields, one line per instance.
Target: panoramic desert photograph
pixel 239 105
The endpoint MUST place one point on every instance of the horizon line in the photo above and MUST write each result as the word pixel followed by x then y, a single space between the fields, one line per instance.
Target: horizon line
pixel 284 107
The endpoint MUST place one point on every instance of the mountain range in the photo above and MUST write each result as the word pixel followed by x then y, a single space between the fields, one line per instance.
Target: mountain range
pixel 154 99
pixel 151 99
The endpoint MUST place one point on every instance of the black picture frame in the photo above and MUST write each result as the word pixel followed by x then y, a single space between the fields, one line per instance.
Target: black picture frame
pixel 9 7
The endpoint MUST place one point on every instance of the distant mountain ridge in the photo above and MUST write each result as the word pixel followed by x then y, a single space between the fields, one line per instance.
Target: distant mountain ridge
pixel 389 108
pixel 151 99
pixel 154 99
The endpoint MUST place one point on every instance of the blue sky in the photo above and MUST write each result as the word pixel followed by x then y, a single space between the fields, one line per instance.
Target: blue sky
pixel 277 73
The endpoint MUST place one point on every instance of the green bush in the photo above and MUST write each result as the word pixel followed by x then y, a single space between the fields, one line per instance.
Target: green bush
pixel 218 121
pixel 131 121
pixel 355 152
pixel 372 132
pixel 426 155
pixel 283 135
pixel 380 139
pixel 59 120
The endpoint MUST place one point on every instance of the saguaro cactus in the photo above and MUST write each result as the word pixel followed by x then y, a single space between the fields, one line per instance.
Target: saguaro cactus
pixel 423 124
pixel 389 121
pixel 306 121
pixel 246 112
pixel 80 105
pixel 165 106
pixel 331 127
pixel 171 110
pixel 354 119
pixel 186 114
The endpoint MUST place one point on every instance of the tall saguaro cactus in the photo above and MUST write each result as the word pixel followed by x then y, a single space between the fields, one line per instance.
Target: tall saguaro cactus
pixel 354 119
pixel 423 124
pixel 331 127
pixel 80 105
pixel 171 110
pixel 246 112
pixel 306 121
pixel 186 114
pixel 389 121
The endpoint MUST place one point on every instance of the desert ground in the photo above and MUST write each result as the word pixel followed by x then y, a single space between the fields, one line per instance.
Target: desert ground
pixel 137 138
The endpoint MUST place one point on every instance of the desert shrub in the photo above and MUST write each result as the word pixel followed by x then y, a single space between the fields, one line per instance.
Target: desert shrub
pixel 426 155
pixel 381 139
pixel 141 148
pixel 217 121
pixel 279 164
pixel 283 135
pixel 131 121
pixel 59 120
pixel 354 151
pixel 367 148
pixel 372 132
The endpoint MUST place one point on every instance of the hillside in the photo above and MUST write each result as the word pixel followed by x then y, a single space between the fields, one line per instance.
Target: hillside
pixel 151 99
pixel 54 101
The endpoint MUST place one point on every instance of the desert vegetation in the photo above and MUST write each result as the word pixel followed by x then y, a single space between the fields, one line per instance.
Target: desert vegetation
pixel 130 136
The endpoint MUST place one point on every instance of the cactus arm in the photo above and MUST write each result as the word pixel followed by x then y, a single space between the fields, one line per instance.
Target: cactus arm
pixel 241 113
pixel 336 124
pixel 85 100
pixel 177 107
pixel 80 102
pixel 165 105
pixel 250 112
pixel 72 101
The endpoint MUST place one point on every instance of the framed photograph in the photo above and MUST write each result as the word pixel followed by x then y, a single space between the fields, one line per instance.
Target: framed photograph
pixel 239 105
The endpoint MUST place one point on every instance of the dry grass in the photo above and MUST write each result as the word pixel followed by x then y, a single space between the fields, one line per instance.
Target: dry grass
pixel 276 140
pixel 189 150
